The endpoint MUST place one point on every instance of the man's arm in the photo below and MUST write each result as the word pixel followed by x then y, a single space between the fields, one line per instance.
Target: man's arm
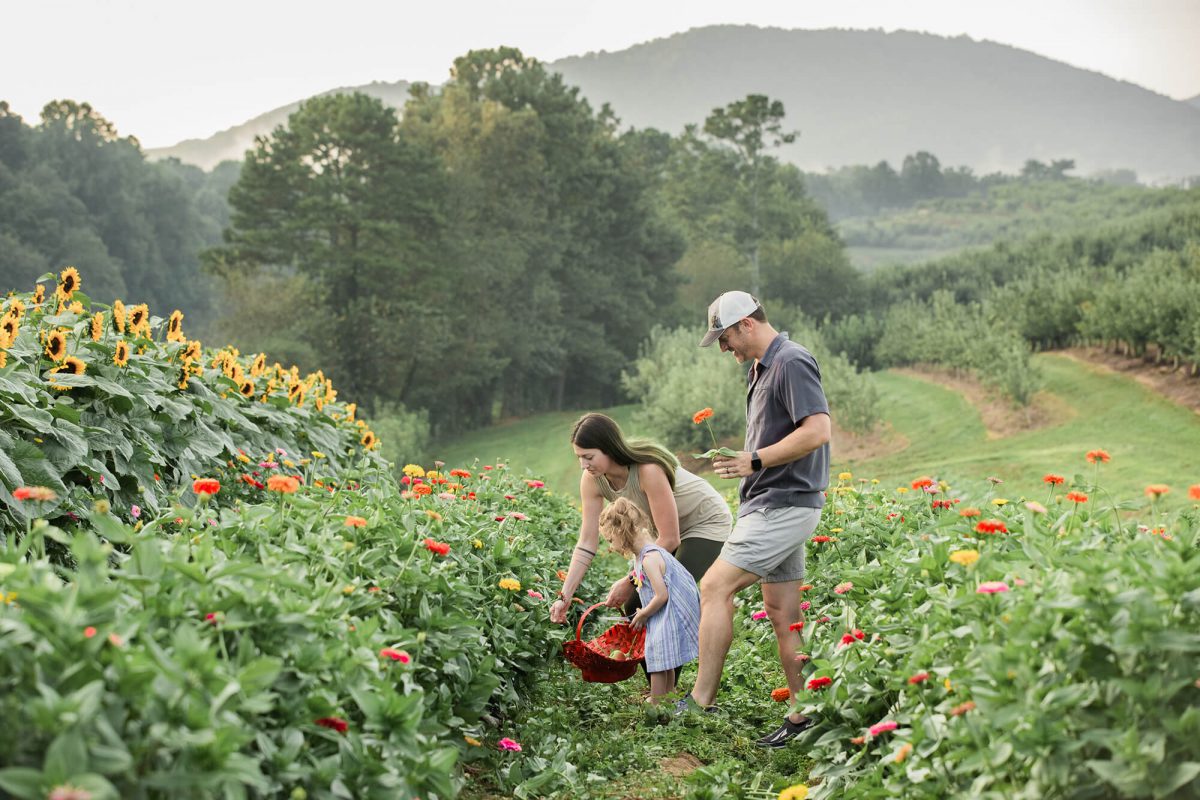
pixel 812 432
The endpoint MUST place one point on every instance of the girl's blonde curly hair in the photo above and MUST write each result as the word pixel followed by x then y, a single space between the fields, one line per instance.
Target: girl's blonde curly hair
pixel 622 521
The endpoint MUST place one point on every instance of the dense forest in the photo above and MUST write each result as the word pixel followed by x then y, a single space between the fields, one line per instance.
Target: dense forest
pixel 73 191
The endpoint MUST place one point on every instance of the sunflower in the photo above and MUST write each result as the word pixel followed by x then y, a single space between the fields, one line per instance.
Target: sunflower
pixel 139 315
pixel 16 310
pixel 71 366
pixel 295 390
pixel 76 307
pixel 97 326
pixel 9 326
pixel 56 345
pixel 175 327
pixel 369 441
pixel 246 387
pixel 350 410
pixel 118 314
pixel 183 378
pixel 68 282
pixel 39 295
pixel 3 358
pixel 259 366
pixel 192 352
pixel 121 355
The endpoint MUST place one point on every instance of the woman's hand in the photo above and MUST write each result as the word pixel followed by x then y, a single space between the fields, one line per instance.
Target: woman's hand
pixel 620 593
pixel 558 611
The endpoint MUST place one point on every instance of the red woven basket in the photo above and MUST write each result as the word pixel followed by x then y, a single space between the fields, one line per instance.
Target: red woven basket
pixel 591 657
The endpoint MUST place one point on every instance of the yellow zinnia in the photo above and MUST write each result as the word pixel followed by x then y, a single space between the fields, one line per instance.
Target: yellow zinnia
pixel 965 557
pixel 845 476
pixel 797 792
pixel 510 584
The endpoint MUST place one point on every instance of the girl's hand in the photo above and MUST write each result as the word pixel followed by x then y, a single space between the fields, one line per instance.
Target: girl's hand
pixel 558 611
pixel 639 619
pixel 620 593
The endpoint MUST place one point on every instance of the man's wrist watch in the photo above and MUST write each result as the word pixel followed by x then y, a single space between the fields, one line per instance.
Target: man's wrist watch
pixel 755 461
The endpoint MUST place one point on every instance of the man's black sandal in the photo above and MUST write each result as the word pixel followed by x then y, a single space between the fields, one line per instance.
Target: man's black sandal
pixel 785 733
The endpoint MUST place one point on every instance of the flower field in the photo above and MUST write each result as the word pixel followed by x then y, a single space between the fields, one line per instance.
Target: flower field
pixel 212 586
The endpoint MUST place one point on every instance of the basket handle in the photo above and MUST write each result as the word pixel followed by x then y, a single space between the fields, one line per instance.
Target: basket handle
pixel 579 627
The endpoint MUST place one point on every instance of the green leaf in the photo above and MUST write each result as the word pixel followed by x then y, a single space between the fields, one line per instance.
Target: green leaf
pixel 259 674
pixel 65 756
pixel 1167 780
pixel 720 451
pixel 22 782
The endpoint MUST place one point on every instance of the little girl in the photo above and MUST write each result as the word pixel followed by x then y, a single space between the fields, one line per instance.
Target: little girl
pixel 670 610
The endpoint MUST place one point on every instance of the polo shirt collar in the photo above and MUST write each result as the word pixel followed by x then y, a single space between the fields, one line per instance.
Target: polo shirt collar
pixel 773 348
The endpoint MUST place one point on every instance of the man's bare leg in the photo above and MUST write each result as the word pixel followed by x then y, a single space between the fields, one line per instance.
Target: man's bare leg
pixel 722 581
pixel 782 601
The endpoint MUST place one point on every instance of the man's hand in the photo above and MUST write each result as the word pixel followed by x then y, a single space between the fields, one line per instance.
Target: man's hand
pixel 620 593
pixel 733 467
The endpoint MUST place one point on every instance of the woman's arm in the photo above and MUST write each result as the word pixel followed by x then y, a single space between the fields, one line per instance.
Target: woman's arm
pixel 654 569
pixel 662 505
pixel 585 549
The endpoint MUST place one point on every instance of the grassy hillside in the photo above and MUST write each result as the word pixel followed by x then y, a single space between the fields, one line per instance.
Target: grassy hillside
pixel 1151 440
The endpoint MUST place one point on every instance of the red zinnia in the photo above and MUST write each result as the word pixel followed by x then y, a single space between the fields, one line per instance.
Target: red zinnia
pixel 206 486
pixel 439 548
pixel 336 723
pixel 395 655
pixel 823 539
pixel 990 526
pixel 1077 497
pixel 1194 491
pixel 1052 479
pixel 920 677
pixel 796 626
pixel 819 683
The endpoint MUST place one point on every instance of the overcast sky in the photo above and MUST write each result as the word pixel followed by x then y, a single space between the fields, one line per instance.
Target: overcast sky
pixel 167 70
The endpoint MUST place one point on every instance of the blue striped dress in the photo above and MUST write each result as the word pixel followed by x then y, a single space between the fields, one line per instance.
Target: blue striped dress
pixel 673 634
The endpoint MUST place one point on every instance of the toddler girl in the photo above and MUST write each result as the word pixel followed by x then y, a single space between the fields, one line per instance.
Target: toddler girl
pixel 670 610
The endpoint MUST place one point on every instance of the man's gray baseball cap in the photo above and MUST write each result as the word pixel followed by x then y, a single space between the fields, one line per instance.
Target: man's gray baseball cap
pixel 726 311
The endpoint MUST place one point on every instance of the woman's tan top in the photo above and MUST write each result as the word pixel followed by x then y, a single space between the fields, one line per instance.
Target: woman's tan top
pixel 703 513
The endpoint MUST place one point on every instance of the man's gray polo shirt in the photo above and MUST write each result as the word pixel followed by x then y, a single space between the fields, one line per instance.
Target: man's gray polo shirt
pixel 784 388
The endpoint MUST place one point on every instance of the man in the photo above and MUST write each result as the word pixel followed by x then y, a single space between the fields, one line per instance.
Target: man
pixel 784 470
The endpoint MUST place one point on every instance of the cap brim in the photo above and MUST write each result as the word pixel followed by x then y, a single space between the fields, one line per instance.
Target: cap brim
pixel 711 337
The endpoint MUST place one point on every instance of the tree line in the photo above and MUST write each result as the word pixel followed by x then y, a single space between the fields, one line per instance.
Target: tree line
pixel 74 191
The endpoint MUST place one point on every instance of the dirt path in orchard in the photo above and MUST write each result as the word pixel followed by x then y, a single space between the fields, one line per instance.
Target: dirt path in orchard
pixel 1175 384
pixel 1000 417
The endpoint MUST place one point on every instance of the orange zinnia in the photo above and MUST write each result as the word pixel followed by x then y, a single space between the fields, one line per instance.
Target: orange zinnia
pixel 922 482
pixel 1077 497
pixel 781 695
pixel 355 522
pixel 969 512
pixel 1052 479
pixel 1098 456
pixel 1194 491
pixel 1156 490
pixel 284 484
pixel 702 415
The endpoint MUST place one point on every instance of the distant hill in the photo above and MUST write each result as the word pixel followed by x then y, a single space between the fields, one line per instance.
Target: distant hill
pixel 231 144
pixel 858 97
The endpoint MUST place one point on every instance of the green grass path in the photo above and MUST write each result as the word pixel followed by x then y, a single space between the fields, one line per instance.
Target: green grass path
pixel 1151 439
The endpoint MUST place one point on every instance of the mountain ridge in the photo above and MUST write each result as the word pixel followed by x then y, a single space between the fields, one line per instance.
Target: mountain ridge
pixel 862 96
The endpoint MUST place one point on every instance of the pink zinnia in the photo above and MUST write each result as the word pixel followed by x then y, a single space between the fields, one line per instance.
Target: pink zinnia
pixel 89 632
pixel 805 606
pixel 506 743
pixel 535 484
pixel 135 511
pixel 758 615
pixel 211 617
pixel 395 655
pixel 883 727
pixel 992 587
pixel 842 588
pixel 534 595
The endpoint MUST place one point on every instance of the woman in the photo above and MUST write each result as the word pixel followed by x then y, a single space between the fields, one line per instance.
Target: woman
pixel 691 520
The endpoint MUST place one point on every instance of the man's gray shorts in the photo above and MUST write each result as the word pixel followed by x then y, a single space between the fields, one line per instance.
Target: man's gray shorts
pixel 770 542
